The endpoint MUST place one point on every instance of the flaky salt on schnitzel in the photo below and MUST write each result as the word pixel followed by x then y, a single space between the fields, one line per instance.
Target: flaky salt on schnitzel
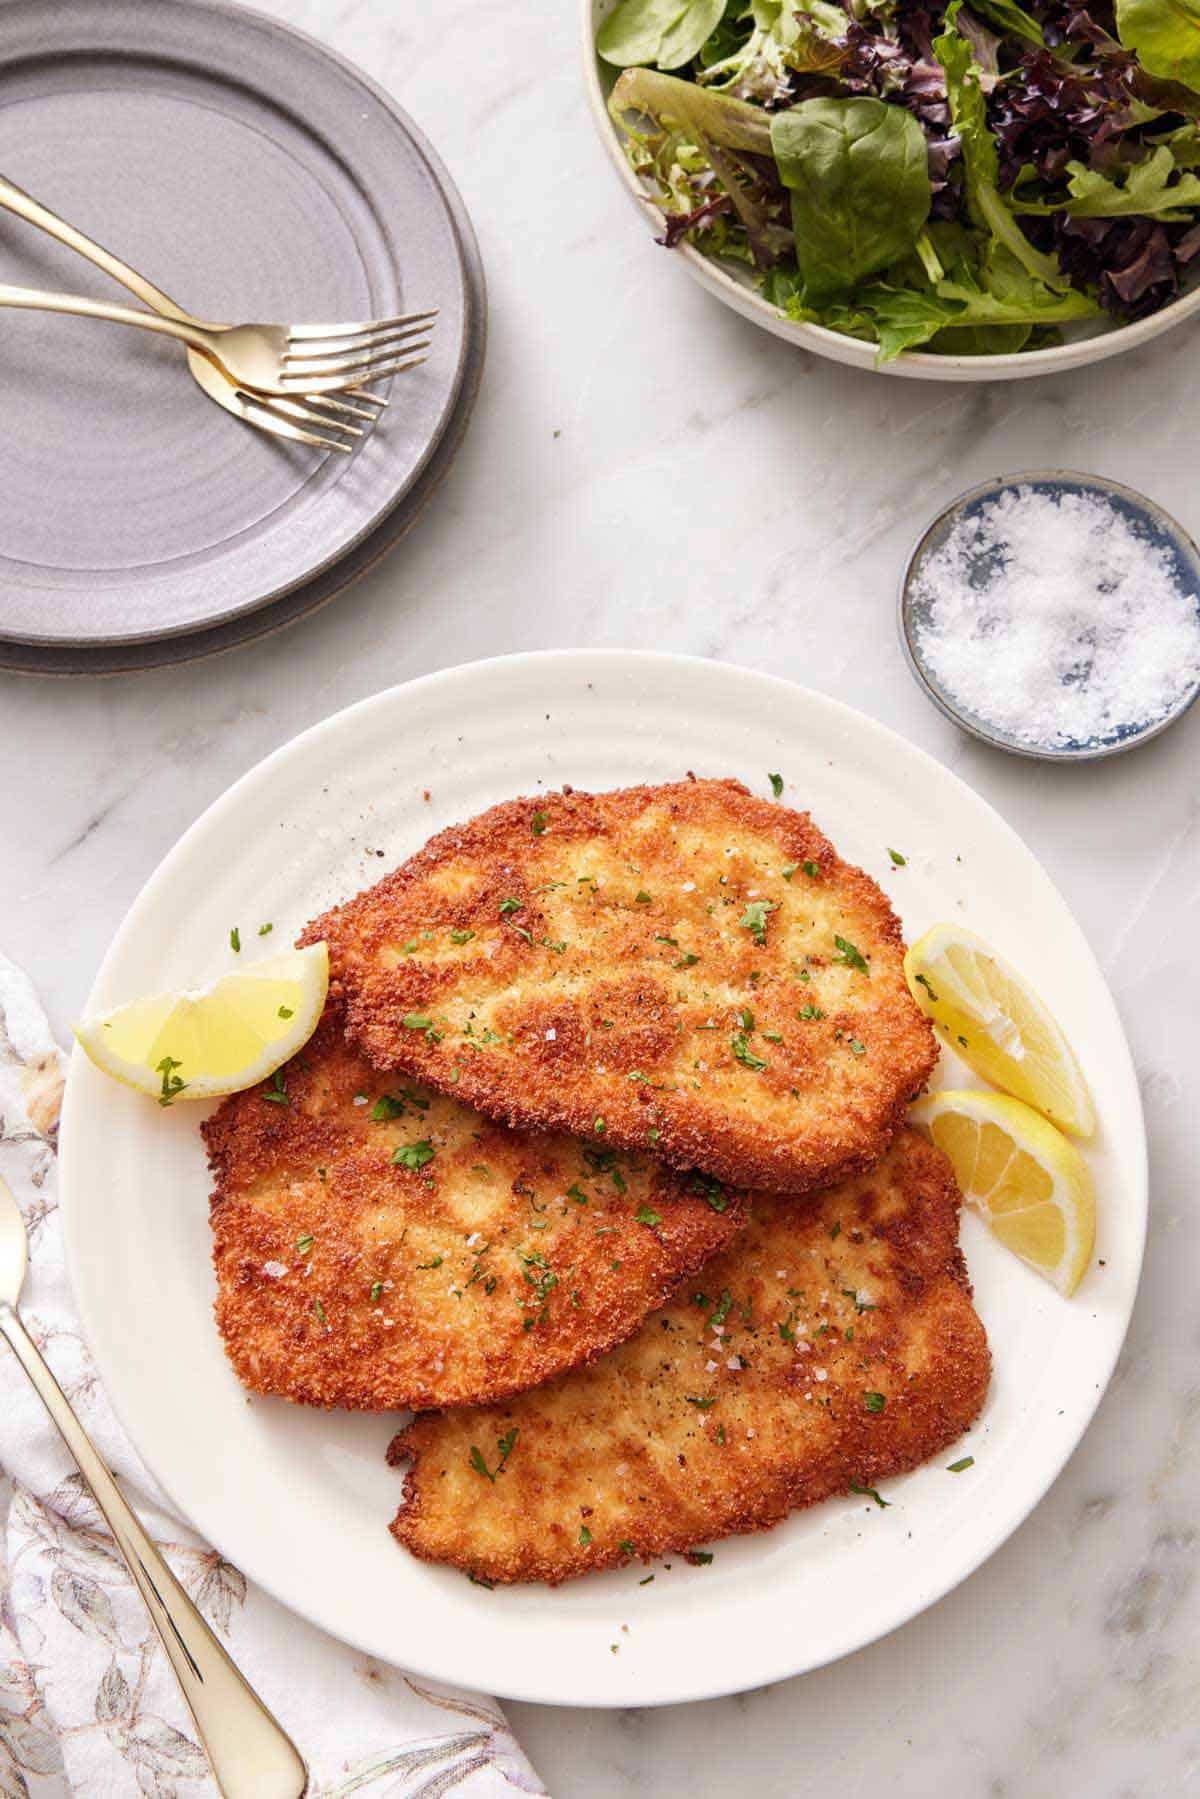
pixel 684 970
pixel 380 1246
pixel 830 1346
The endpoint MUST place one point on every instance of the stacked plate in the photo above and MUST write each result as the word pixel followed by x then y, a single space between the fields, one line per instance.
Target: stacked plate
pixel 252 174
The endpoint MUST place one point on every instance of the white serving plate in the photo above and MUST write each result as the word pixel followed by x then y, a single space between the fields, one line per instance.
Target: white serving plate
pixel 301 1500
pixel 1088 341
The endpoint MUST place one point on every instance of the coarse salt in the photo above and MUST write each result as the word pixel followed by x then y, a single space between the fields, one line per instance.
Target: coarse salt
pixel 1056 619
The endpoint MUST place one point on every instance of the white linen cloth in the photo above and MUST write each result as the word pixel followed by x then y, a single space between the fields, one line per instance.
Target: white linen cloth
pixel 88 1702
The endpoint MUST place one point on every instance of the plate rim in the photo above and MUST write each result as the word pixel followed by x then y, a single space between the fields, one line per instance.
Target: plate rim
pixel 760 1672
pixel 308 44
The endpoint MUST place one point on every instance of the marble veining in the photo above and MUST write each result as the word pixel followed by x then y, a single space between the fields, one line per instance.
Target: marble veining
pixel 646 469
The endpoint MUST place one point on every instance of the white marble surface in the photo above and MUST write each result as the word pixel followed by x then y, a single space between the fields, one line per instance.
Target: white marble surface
pixel 647 470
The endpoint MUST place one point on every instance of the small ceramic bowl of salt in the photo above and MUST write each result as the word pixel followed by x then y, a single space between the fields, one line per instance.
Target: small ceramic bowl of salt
pixel 1055 615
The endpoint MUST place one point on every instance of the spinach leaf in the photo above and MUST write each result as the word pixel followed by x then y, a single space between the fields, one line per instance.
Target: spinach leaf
pixel 666 32
pixel 1166 36
pixel 858 171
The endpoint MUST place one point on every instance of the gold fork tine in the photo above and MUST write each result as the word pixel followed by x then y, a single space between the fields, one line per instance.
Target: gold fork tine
pixel 331 350
pixel 361 327
pixel 259 412
pixel 348 372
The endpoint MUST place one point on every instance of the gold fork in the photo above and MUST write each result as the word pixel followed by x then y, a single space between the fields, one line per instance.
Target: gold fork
pixel 283 417
pixel 250 1754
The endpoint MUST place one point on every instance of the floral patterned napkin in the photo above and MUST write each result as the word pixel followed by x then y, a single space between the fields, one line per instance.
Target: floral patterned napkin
pixel 88 1703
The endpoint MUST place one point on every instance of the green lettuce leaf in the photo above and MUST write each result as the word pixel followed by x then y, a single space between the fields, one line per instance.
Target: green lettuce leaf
pixel 858 171
pixel 1007 17
pixel 1166 36
pixel 1144 191
pixel 666 32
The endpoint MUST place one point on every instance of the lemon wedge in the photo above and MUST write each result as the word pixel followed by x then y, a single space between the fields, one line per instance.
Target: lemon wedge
pixel 984 1011
pixel 195 1045
pixel 1031 1185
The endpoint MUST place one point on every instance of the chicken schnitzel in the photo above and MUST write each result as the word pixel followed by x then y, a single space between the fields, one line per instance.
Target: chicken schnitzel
pixel 685 970
pixel 830 1346
pixel 377 1245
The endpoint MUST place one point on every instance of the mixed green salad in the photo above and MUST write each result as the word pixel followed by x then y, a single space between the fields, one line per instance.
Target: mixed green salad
pixel 962 178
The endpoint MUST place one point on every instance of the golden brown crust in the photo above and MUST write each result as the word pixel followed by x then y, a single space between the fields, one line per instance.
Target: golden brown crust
pixel 344 1279
pixel 862 1292
pixel 658 966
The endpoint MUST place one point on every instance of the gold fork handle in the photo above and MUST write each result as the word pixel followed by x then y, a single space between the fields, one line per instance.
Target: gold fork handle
pixel 34 213
pixel 33 300
pixel 250 1754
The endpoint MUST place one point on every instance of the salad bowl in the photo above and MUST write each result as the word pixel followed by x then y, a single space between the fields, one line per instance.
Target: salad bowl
pixel 1085 342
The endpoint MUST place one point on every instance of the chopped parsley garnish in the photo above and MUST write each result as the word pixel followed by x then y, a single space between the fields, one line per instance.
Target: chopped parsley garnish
pixel 558 948
pixel 479 1580
pixel 853 957
pixel 923 981
pixel 788 870
pixel 511 905
pixel 835 1229
pixel 874 1402
pixel 754 919
pixel 859 1048
pixel 277 1093
pixel 235 941
pixel 722 1308
pixel 646 1581
pixel 304 1243
pixel 539 822
pixel 576 1192
pixel 688 959
pixel 264 930
pixel 414 1155
pixel 172 1086
pixel 434 1262
pixel 960 1467
pixel 505 1445
pixel 585 1537
pixel 376 1292
pixel 745 1019
pixel 701 1557
pixel 647 1215
pixel 701 1405
pixel 641 897
pixel 416 1021
pixel 461 936
pixel 810 1011
pixel 898 859
pixel 772 1037
pixel 476 1459
pixel 626 1547
pixel 709 1189
pixel 388 1105
pixel 870 1493
pixel 286 1012
pixel 740 1045
pixel 673 941
pixel 787 1328
pixel 598 1125
pixel 319 1309
pixel 860 1304
pixel 811 869
pixel 776 784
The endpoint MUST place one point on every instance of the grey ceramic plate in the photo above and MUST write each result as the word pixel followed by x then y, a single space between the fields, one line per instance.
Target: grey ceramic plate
pixel 249 627
pixel 253 175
